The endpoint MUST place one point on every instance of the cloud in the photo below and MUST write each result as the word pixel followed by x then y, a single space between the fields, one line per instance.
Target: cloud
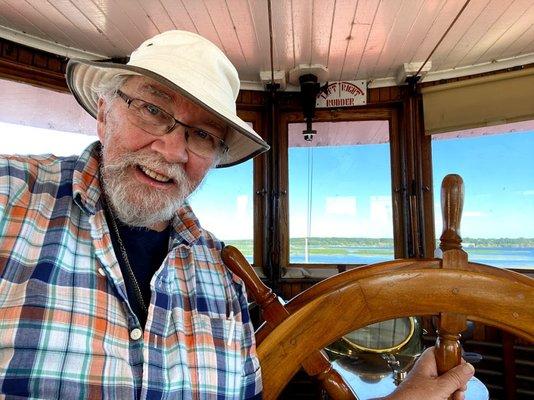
pixel 527 192
pixel 242 202
pixel 474 214
pixel 341 205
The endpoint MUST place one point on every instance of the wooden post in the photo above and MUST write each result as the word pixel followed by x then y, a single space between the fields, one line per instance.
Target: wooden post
pixel 448 350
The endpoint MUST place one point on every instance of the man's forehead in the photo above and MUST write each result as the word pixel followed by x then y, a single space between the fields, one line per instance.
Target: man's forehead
pixel 151 86
pixel 147 85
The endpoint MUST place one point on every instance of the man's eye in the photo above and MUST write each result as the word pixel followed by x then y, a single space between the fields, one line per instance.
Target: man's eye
pixel 200 134
pixel 152 109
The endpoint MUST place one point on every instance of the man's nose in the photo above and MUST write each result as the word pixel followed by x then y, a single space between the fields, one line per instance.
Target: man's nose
pixel 172 146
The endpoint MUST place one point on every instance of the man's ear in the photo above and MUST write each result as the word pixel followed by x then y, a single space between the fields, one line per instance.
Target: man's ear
pixel 101 115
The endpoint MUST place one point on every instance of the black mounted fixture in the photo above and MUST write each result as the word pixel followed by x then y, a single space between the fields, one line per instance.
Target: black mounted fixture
pixel 309 89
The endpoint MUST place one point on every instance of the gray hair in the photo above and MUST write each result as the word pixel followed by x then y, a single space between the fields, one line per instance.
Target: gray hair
pixel 220 158
pixel 107 90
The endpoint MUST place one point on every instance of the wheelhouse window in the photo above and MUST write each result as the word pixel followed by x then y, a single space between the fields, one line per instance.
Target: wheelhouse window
pixel 340 207
pixel 224 204
pixel 42 121
pixel 497 166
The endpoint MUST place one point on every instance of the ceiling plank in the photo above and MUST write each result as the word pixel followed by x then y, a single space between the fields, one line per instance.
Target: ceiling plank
pixel 341 37
pixel 517 39
pixel 354 39
pixel 179 15
pixel 260 21
pixel 77 38
pixel 198 12
pixel 225 28
pixel 243 25
pixel 322 22
pixel 302 22
pixel 118 18
pixel 477 29
pixel 157 14
pixel 15 15
pixel 84 29
pixel 104 24
pixel 508 17
pixel 425 17
pixel 283 35
pixel 455 37
pixel 381 31
pixel 131 11
pixel 363 24
pixel 403 23
pixel 431 36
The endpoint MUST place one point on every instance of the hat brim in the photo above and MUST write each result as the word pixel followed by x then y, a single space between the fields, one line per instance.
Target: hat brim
pixel 83 76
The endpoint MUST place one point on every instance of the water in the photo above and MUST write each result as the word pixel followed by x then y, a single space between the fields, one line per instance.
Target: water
pixel 503 257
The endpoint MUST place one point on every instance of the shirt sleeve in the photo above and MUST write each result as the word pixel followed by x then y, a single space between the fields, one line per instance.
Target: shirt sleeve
pixel 251 382
pixel 4 184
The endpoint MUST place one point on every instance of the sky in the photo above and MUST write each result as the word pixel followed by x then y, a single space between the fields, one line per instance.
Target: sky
pixel 350 192
pixel 498 174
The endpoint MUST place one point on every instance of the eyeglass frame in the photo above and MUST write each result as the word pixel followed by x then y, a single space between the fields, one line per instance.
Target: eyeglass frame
pixel 128 100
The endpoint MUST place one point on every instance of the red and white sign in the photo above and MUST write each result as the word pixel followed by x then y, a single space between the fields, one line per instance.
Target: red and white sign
pixel 343 94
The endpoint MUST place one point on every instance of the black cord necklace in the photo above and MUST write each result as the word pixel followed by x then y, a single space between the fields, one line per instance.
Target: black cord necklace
pixel 123 254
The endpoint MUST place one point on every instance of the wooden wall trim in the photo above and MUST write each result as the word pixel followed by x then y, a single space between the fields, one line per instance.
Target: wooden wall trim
pixel 25 64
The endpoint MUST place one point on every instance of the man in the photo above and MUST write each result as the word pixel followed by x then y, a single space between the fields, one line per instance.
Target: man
pixel 109 287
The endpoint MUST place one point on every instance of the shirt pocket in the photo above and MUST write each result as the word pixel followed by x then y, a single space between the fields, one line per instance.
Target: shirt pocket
pixel 218 357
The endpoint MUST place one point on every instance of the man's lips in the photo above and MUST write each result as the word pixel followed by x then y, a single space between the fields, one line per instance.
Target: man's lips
pixel 156 176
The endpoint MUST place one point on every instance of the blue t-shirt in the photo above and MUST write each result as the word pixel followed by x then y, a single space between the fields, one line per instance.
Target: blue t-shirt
pixel 146 250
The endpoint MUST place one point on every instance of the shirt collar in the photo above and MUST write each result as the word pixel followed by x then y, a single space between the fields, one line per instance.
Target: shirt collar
pixel 186 226
pixel 85 182
pixel 86 193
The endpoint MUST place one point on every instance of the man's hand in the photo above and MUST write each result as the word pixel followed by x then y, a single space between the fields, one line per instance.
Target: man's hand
pixel 424 383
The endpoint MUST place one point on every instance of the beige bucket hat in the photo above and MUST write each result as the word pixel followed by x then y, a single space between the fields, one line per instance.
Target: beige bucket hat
pixel 187 63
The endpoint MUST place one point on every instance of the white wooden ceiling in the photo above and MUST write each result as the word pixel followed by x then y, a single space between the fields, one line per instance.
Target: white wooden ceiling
pixel 354 39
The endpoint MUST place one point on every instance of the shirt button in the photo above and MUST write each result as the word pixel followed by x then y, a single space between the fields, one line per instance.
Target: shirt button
pixel 101 271
pixel 136 334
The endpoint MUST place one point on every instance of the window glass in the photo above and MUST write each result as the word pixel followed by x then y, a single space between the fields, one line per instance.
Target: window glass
pixel 497 166
pixel 340 209
pixel 35 120
pixel 20 139
pixel 224 206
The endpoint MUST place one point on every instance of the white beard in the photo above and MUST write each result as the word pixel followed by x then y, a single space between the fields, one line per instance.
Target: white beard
pixel 136 204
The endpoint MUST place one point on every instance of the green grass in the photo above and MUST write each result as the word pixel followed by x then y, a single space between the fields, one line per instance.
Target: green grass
pixel 376 246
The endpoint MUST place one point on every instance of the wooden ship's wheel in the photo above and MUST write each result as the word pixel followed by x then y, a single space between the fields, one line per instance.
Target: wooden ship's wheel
pixel 452 288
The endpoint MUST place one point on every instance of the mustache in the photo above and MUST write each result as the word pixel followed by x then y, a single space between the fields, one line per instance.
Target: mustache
pixel 147 159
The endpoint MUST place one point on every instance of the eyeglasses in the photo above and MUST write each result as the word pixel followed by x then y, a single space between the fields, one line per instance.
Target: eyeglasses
pixel 158 122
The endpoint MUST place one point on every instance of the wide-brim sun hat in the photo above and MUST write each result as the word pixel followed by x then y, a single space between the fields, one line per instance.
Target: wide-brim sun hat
pixel 184 62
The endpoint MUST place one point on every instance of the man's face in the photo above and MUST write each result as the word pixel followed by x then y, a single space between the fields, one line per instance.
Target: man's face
pixel 146 177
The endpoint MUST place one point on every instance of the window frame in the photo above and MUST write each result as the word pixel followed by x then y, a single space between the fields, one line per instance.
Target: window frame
pixel 290 271
pixel 260 211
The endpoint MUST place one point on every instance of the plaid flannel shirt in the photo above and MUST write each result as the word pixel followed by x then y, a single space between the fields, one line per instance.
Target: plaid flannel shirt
pixel 66 328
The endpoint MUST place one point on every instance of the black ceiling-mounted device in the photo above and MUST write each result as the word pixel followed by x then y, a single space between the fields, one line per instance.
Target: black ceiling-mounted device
pixel 309 89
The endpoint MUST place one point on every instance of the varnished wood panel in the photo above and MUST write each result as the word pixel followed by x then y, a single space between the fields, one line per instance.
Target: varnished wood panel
pixel 24 64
